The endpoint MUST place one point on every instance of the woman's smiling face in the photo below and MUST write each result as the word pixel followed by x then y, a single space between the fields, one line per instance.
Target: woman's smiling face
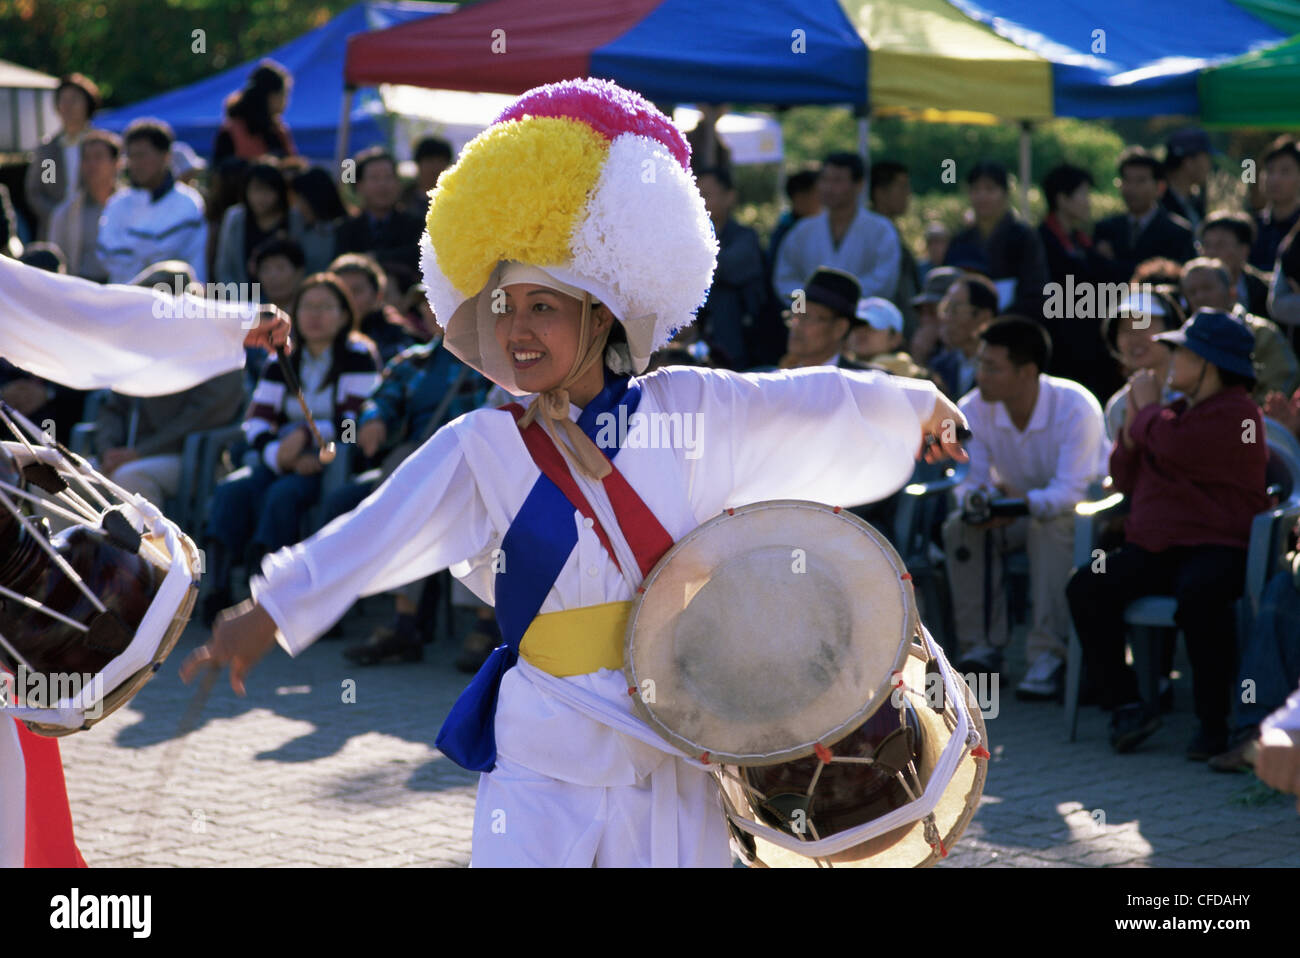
pixel 538 328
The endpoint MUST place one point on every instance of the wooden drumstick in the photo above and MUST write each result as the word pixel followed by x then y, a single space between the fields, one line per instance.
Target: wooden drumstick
pixel 327 452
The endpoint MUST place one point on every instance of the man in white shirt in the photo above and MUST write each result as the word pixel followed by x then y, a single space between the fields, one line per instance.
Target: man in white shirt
pixel 158 218
pixel 1037 442
pixel 845 235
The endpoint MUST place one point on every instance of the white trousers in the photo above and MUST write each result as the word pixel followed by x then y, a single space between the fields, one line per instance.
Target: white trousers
pixel 526 820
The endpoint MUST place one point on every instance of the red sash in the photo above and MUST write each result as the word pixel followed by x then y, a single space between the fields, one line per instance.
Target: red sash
pixel 643 532
pixel 49 841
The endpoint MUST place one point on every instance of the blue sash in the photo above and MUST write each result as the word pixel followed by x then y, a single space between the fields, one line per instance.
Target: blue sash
pixel 538 543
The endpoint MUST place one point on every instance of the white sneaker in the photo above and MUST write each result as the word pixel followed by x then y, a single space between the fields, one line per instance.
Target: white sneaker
pixel 1044 680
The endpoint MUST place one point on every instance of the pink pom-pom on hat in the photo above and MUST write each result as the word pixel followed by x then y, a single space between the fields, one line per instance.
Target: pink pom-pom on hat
pixel 604 106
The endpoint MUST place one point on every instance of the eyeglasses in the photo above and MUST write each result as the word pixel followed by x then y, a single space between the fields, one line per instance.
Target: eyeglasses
pixel 788 317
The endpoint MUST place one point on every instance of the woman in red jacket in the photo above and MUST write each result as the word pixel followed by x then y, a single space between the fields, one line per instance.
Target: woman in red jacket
pixel 1194 474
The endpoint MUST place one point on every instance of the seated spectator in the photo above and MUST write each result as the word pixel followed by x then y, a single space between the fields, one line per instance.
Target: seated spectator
pixel 1281 190
pixel 1194 486
pixel 367 283
pixel 74 224
pixel 157 218
pixel 252 126
pixel 139 440
pixel 876 339
pixel 278 266
pixel 999 245
pixel 225 189
pixel 1130 334
pixel 818 332
pixel 320 209
pixel 730 315
pixel 423 388
pixel 1038 442
pixel 1078 351
pixel 937 239
pixel 264 506
pixel 970 304
pixel 1187 168
pixel 925 341
pixel 54 171
pixel 432 155
pixel 1227 236
pixel 1206 285
pixel 844 236
pixel 890 194
pixel 380 229
pixel 262 213
pixel 1147 229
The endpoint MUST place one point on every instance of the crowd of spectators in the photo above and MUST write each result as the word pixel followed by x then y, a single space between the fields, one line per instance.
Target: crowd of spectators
pixel 1185 342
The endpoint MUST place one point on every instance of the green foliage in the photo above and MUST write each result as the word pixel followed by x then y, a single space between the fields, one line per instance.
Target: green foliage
pixel 138 48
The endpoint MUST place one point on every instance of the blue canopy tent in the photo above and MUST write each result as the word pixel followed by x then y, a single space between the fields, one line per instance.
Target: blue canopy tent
pixel 316 100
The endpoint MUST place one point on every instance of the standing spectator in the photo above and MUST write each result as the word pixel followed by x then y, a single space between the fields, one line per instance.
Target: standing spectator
pixel 1130 334
pixel 380 229
pixel 253 126
pixel 970 304
pixel 890 193
pixel 1281 189
pixel 262 213
pixel 1147 230
pixel 1000 246
pixel 1078 352
pixel 844 236
pixel 157 218
pixel 1206 284
pixel 926 340
pixel 1187 165
pixel 1195 487
pixel 1228 237
pixel 818 332
pixel 801 190
pixel 74 225
pixel 316 199
pixel 336 368
pixel 1037 441
pixel 378 322
pixel 432 156
pixel 736 299
pixel 937 239
pixel 53 173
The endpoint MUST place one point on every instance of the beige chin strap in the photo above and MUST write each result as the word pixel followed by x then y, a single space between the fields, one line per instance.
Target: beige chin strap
pixel 553 404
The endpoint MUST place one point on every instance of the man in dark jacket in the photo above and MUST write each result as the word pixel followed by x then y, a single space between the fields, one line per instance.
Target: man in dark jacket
pixel 380 229
pixel 1194 472
pixel 729 316
pixel 1147 230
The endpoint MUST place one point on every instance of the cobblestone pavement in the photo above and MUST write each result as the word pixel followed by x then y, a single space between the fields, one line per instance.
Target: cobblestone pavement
pixel 294 775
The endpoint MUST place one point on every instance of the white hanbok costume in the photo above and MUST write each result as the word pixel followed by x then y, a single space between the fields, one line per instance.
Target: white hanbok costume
pixel 590 183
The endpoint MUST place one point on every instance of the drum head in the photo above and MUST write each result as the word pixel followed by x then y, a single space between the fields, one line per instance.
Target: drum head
pixel 767 631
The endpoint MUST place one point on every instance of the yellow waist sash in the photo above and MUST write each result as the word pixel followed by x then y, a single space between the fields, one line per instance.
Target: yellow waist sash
pixel 577 641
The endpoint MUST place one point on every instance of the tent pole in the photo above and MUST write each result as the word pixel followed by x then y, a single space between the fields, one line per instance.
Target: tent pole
pixel 1025 167
pixel 345 122
pixel 864 141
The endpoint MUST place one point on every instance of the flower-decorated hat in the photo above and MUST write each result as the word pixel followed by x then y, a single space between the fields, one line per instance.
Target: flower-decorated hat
pixel 589 182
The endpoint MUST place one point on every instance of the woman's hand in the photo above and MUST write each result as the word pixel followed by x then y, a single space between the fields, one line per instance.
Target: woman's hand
pixel 939 432
pixel 1144 389
pixel 307 464
pixel 240 637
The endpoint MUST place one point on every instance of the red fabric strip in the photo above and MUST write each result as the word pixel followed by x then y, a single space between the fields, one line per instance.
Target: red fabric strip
pixel 644 533
pixel 49 839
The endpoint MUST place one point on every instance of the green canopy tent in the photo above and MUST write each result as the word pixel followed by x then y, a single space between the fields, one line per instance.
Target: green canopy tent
pixel 1259 90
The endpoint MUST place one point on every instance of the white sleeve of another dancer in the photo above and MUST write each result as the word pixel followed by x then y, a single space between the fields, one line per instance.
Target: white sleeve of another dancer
pixel 126 338
pixel 426 517
pixel 830 435
pixel 1287 717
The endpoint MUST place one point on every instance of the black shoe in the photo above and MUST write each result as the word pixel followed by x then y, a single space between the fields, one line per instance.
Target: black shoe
pixel 1205 745
pixel 1130 726
pixel 979 660
pixel 213 603
pixel 386 645
pixel 478 645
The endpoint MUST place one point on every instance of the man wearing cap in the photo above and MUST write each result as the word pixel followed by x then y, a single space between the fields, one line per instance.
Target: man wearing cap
pixel 1038 442
pixel 818 331
pixel 875 338
pixel 1187 166
pixel 925 341
pixel 1206 284
pixel 1194 472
